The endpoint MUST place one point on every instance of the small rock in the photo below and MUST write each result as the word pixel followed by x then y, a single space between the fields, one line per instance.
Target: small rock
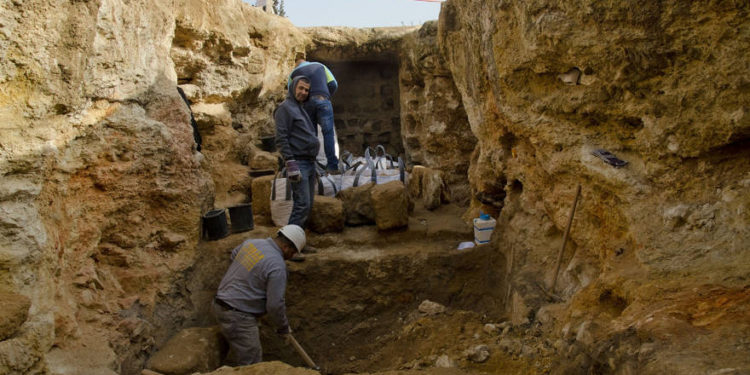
pixel 571 77
pixel 428 307
pixel 478 354
pixel 510 346
pixel 675 216
pixel 559 344
pixel 14 311
pixel 646 350
pixel 490 328
pixel 170 241
pixel 584 335
pixel 566 330
pixel 574 350
pixel 445 362
pixel 528 351
pixel 505 330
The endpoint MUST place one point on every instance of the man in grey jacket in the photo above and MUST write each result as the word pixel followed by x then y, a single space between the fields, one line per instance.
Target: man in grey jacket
pixel 297 140
pixel 254 285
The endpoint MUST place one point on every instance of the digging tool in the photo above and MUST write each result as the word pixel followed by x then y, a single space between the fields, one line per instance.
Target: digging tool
pixel 510 273
pixel 302 353
pixel 565 239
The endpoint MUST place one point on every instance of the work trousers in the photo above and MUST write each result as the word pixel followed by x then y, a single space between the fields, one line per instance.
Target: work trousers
pixel 241 331
pixel 303 193
pixel 320 110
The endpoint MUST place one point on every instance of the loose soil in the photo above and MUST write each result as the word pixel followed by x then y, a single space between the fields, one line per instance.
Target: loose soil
pixel 353 305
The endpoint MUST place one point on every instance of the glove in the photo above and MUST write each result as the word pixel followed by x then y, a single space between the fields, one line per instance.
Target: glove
pixel 283 331
pixel 292 171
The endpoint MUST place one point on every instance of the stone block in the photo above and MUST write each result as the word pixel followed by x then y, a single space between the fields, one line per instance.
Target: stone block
pixel 264 160
pixel 390 203
pixel 208 116
pixel 358 209
pixel 262 199
pixel 13 312
pixel 198 349
pixel 415 181
pixel 327 215
pixel 428 185
pixel 432 188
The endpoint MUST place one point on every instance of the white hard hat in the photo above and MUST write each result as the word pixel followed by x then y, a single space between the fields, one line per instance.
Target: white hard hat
pixel 294 233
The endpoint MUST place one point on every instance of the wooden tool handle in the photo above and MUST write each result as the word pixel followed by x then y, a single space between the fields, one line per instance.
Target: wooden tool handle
pixel 302 352
pixel 565 239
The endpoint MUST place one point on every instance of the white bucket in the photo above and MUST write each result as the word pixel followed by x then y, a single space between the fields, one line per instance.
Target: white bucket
pixel 483 227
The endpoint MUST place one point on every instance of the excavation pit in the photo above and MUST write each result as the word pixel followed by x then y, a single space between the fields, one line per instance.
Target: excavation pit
pixel 354 305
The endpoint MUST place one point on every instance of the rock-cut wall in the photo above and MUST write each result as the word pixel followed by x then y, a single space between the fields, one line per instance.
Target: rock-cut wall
pixel 434 126
pixel 656 263
pixel 98 168
pixel 102 188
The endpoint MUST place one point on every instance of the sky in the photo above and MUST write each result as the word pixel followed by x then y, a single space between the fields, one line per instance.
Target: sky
pixel 359 13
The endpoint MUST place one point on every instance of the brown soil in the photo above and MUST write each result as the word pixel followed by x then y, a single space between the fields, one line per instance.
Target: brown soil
pixel 353 305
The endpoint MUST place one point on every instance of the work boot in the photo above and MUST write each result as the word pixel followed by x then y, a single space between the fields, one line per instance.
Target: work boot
pixel 298 258
pixel 309 250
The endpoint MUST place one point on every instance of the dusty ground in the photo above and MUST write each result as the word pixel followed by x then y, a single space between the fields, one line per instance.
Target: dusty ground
pixel 353 305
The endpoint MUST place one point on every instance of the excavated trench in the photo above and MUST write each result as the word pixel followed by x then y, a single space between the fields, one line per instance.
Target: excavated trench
pixel 354 305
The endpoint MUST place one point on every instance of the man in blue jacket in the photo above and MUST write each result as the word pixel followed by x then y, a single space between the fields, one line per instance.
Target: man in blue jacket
pixel 322 87
pixel 297 140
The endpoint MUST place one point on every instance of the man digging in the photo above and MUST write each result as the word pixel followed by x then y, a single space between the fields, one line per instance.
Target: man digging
pixel 254 285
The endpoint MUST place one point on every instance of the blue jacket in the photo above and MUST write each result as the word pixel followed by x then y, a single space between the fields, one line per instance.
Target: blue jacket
pixel 322 81
pixel 296 135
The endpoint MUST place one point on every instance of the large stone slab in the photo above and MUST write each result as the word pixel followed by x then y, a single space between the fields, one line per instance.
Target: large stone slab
pixel 192 350
pixel 358 208
pixel 327 215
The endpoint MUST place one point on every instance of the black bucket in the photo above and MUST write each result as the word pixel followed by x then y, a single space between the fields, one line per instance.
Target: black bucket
pixel 241 217
pixel 268 143
pixel 215 225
